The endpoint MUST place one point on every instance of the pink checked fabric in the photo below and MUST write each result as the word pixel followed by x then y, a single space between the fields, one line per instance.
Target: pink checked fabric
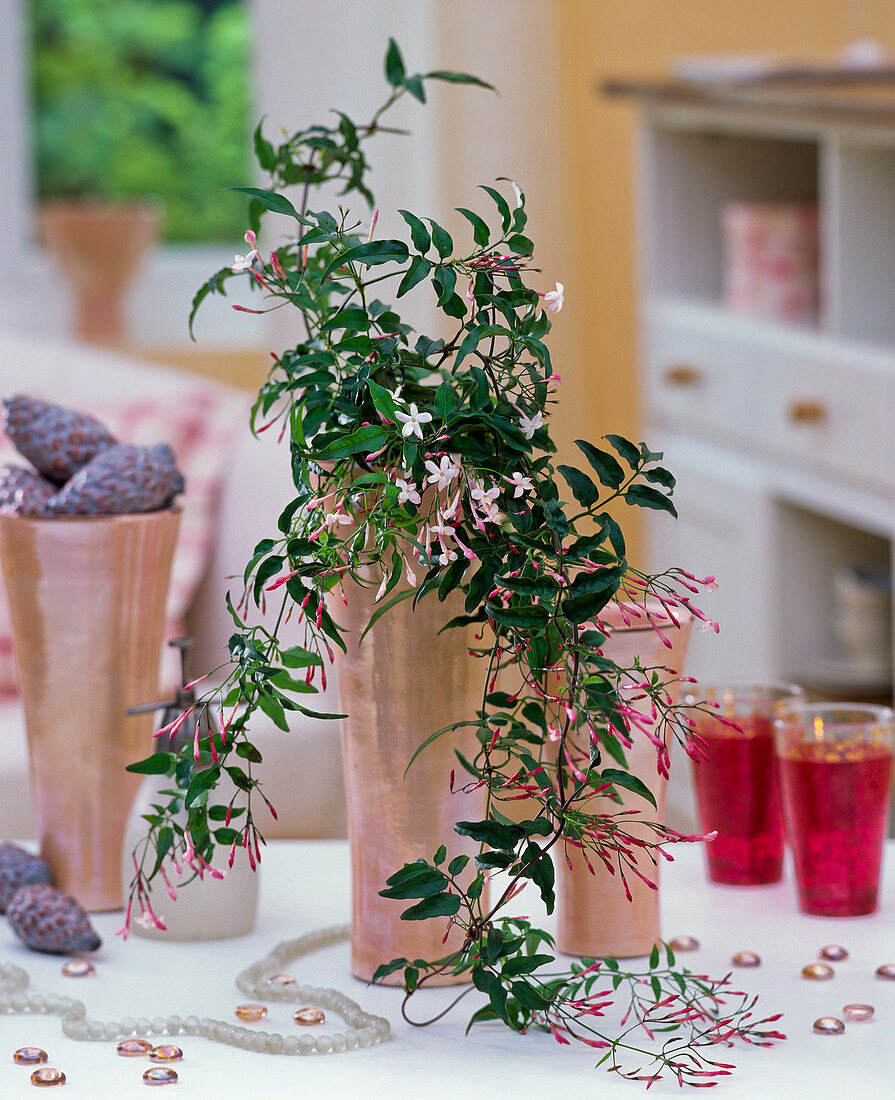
pixel 200 424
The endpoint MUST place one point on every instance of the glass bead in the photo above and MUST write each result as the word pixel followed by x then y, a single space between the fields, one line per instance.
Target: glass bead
pixel 274 1044
pixel 339 1043
pixel 165 1053
pixel 47 1076
pixel 858 1014
pixel 746 959
pixel 281 979
pixel 887 971
pixel 174 1024
pixel 307 1017
pixel 324 1044
pixel 133 1048
pixel 829 1025
pixel 191 1025
pixel 29 1056
pixel 78 968
pixel 684 943
pixel 290 1044
pixel 160 1075
pixel 817 972
pixel 833 953
pixel 159 1024
pixel 251 1013
pixel 307 1044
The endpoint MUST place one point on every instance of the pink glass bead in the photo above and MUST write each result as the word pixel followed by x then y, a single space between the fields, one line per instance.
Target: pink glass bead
pixel 829 1025
pixel 251 1013
pixel 684 943
pixel 833 953
pixel 309 1016
pixel 887 971
pixel 858 1014
pixel 133 1048
pixel 46 1076
pixel 160 1075
pixel 281 979
pixel 29 1056
pixel 746 959
pixel 78 968
pixel 165 1053
pixel 817 972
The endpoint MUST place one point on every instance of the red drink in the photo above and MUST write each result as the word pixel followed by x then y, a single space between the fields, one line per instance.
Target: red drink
pixel 736 791
pixel 836 796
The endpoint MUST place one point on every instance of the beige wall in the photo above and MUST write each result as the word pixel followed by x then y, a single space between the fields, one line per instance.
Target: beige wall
pixel 634 38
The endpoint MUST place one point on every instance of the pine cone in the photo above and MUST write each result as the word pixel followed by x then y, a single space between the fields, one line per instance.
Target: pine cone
pixel 57 441
pixel 23 491
pixel 46 919
pixel 19 868
pixel 121 479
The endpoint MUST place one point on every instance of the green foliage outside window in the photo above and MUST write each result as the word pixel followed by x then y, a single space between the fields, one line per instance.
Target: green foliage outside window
pixel 137 97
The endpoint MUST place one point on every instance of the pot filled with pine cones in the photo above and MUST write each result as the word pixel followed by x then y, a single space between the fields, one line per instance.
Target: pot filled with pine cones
pixel 87 537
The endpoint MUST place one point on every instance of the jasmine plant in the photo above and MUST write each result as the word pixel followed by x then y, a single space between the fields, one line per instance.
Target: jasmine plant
pixel 427 463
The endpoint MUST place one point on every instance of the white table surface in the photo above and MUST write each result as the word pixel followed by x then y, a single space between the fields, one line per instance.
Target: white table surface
pixel 305 886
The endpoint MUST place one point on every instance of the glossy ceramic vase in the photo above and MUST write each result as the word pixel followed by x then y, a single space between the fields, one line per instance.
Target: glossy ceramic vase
pixel 594 916
pixel 87 600
pixel 401 683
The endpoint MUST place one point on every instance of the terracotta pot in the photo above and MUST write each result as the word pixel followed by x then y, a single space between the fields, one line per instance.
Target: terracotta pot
pixel 402 683
pixel 98 247
pixel 595 917
pixel 87 600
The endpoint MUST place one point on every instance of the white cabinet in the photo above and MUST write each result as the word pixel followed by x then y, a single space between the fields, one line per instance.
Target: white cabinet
pixel 782 436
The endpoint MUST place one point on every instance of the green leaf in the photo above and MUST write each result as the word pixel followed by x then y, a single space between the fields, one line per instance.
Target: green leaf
pixel 249 752
pixel 457 864
pixel 524 964
pixel 157 764
pixel 502 205
pixel 490 832
pixel 418 232
pixel 440 905
pixel 608 470
pixel 629 782
pixel 481 234
pixel 264 151
pixel 394 65
pixel 279 204
pixel 369 438
pixel 274 712
pixel 201 782
pixel 370 253
pixel 442 240
pixel 298 657
pixel 660 476
pixel 654 957
pixel 414 85
pixel 457 78
pixel 583 489
pixel 626 449
pixel 522 246
pixel 529 997
pixel 644 496
pixel 419 269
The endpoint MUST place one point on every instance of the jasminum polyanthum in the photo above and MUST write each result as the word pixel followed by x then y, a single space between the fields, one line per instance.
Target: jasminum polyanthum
pixel 423 466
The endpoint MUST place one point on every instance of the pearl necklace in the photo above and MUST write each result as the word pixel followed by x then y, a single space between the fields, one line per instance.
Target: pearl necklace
pixel 364 1029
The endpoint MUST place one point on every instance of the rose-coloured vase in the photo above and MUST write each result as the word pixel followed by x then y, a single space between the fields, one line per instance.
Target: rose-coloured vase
pixel 87 601
pixel 594 916
pixel 400 684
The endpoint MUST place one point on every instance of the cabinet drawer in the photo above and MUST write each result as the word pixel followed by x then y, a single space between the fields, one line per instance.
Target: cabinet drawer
pixel 701 380
pixel 833 410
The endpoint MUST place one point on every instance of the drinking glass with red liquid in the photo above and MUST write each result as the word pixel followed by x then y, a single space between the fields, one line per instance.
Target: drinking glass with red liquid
pixel 736 781
pixel 835 764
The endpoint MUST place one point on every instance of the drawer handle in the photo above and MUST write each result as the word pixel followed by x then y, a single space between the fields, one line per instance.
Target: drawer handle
pixel 683 374
pixel 807 411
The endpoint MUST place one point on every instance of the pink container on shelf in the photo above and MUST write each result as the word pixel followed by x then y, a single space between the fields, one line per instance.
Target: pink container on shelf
pixel 771 260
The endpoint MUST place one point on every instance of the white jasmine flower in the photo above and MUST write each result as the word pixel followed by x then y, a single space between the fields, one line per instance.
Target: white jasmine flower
pixel 333 518
pixel 553 299
pixel 243 263
pixel 520 483
pixel 442 474
pixel 530 424
pixel 407 491
pixel 413 421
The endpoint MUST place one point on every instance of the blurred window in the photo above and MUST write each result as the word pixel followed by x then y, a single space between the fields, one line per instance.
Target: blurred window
pixel 137 98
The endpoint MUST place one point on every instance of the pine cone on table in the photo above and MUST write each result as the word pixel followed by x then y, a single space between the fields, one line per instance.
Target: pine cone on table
pixel 47 919
pixel 55 440
pixel 23 491
pixel 121 479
